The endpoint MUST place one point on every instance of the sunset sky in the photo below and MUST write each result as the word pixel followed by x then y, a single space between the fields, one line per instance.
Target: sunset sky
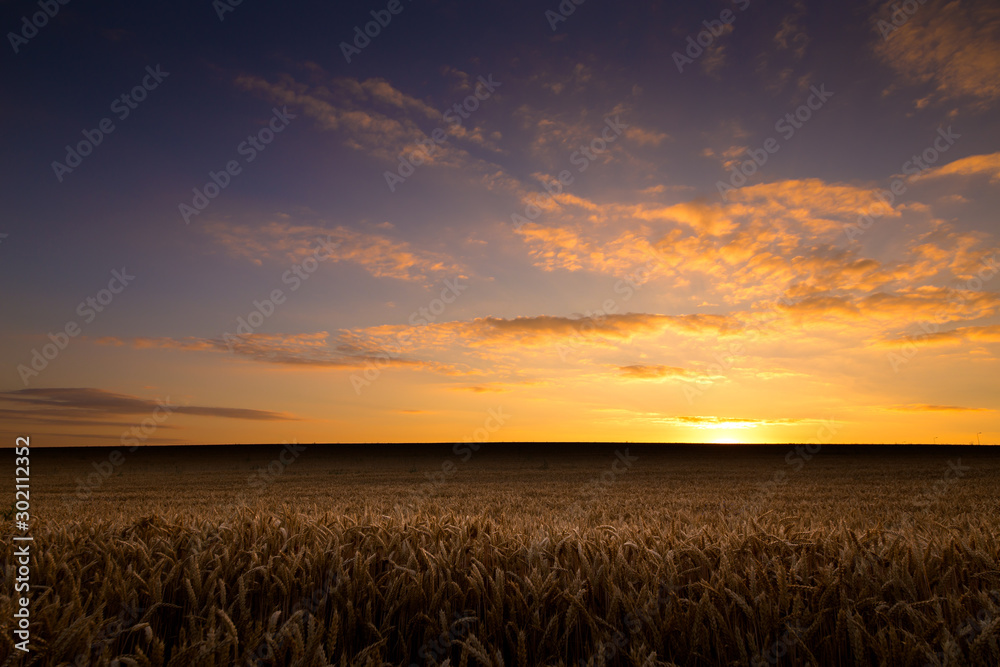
pixel 843 287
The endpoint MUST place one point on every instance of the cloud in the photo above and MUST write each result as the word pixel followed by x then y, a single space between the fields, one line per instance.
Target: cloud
pixel 646 137
pixel 923 407
pixel 977 334
pixel 372 116
pixel 714 58
pixel 924 305
pixel 952 47
pixel 479 389
pixel 791 36
pixel 492 346
pixel 651 372
pixel 549 329
pixel 569 76
pixel 714 422
pixel 785 239
pixel 973 165
pixel 553 136
pixel 93 407
pixel 312 350
pixel 763 240
pixel 706 421
pixel 506 348
pixel 284 240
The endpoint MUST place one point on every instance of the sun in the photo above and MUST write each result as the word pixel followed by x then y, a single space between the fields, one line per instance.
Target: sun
pixel 725 441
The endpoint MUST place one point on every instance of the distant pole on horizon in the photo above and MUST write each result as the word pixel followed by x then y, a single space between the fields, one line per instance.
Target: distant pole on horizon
pixel 935 439
pixel 978 441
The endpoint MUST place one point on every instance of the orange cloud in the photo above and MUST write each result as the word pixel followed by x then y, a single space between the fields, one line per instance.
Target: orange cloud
pixel 792 35
pixel 646 137
pixel 492 344
pixel 972 165
pixel 379 255
pixel 782 239
pixel 980 334
pixel 709 421
pixel 923 407
pixel 548 329
pixel 479 389
pixel 766 239
pixel 924 305
pixel 372 116
pixel 953 46
pixel 651 372
pixel 89 406
pixel 303 350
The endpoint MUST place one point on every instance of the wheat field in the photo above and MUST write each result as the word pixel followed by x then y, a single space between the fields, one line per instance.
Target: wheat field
pixel 514 558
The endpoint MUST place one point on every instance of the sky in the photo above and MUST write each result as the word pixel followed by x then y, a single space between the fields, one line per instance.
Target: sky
pixel 434 221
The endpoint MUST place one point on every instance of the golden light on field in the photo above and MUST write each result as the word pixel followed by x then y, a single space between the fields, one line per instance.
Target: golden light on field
pixel 536 542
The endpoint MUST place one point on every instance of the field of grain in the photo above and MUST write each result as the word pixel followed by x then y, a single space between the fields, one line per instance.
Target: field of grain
pixel 569 555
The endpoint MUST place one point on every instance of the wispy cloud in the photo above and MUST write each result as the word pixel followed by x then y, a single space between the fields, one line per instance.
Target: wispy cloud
pixel 285 240
pixel 980 334
pixel 652 371
pixel 792 35
pixel 94 407
pixel 311 350
pixel 954 47
pixel 371 115
pixel 705 421
pixel 923 407
pixel 973 165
